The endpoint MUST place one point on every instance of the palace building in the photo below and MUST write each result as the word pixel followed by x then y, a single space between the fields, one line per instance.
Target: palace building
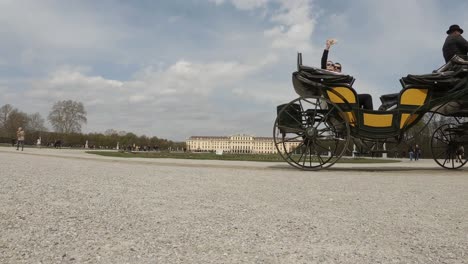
pixel 235 144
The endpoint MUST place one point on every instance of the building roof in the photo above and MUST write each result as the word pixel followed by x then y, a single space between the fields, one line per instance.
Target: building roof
pixel 227 137
pixel 208 137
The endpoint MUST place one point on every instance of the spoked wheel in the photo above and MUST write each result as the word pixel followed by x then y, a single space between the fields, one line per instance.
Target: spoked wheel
pixel 311 133
pixel 448 146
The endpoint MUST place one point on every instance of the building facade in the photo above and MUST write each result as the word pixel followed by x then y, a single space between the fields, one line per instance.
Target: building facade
pixel 242 144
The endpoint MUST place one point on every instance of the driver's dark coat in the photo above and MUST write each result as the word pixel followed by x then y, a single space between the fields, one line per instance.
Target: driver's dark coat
pixel 454 45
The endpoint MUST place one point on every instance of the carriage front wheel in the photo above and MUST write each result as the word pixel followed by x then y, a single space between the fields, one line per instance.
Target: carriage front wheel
pixel 311 133
pixel 448 146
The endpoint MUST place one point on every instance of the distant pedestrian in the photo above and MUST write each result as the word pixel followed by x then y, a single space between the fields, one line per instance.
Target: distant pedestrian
pixel 20 138
pixel 417 152
pixel 460 154
pixel 411 153
pixel 58 144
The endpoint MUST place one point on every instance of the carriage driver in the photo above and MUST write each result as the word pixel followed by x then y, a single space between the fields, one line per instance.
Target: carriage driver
pixel 365 100
pixel 454 44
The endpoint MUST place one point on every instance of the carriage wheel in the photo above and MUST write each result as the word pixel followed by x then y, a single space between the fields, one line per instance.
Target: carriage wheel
pixel 447 147
pixel 311 133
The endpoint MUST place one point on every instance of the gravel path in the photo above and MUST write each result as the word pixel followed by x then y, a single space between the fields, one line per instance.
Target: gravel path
pixel 81 208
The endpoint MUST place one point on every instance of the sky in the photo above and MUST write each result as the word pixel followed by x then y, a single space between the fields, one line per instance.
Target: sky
pixel 180 68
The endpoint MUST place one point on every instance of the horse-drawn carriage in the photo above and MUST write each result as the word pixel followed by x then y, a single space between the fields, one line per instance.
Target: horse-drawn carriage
pixel 316 129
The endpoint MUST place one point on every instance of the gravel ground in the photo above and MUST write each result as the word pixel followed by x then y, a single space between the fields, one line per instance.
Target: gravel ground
pixel 70 207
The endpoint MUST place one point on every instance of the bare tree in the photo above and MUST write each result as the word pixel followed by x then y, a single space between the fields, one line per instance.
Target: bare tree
pixel 36 123
pixel 67 116
pixel 4 114
pixel 15 119
pixel 111 132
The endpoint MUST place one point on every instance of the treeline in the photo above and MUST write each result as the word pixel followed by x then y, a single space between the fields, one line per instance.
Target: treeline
pixel 11 118
pixel 101 140
pixel 66 117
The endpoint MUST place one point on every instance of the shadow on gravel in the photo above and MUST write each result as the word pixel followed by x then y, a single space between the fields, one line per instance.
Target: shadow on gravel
pixel 372 169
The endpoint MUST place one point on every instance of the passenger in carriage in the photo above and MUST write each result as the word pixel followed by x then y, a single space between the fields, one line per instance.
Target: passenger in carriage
pixel 327 64
pixel 365 100
pixel 454 44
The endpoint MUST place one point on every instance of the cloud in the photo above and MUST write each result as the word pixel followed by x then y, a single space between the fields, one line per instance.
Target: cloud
pixel 380 42
pixel 184 91
pixel 293 21
pixel 181 78
pixel 243 4
pixel 57 25
pixel 192 78
pixel 51 33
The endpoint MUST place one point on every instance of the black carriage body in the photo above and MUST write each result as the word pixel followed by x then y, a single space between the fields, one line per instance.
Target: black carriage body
pixel 314 131
pixel 445 92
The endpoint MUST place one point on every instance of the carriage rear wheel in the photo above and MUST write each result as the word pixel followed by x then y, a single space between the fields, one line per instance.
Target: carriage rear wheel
pixel 311 133
pixel 448 146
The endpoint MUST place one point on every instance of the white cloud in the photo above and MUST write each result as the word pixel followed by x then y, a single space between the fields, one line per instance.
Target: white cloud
pixel 296 36
pixel 293 21
pixel 243 4
pixel 268 93
pixel 185 77
pixel 46 23
pixel 182 91
pixel 66 77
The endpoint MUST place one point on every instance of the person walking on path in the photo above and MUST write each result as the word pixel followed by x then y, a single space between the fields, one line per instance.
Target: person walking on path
pixel 38 142
pixel 460 154
pixel 411 153
pixel 20 138
pixel 417 152
pixel 454 44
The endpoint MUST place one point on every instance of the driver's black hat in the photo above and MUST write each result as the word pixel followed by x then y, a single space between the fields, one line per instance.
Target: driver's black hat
pixel 454 28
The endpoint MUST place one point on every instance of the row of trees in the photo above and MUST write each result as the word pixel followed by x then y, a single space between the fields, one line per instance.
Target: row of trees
pixel 11 118
pixel 66 118
pixel 102 140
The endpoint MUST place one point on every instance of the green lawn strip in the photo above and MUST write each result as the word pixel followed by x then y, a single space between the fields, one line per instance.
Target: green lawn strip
pixel 212 156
